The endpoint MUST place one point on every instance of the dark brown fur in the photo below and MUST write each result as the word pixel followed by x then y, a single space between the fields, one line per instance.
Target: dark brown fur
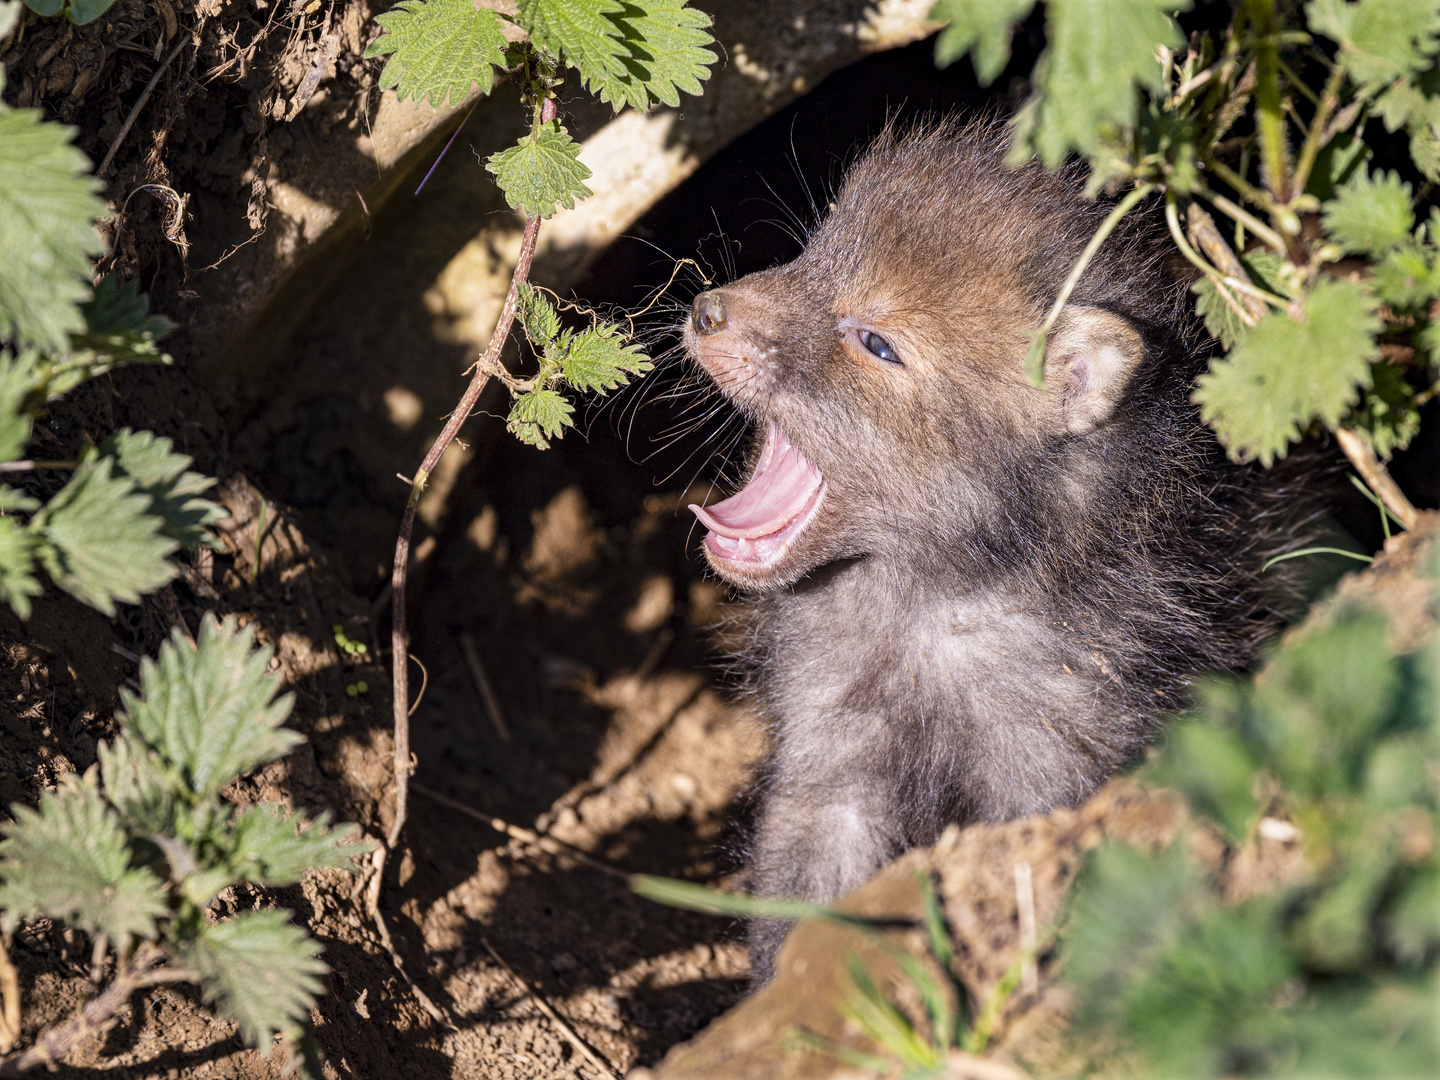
pixel 1004 588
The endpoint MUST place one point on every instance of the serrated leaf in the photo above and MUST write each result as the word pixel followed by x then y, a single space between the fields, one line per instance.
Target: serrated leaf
pixel 17 567
pixel 578 32
pixel 70 860
pixel 17 381
pixel 260 970
pixel 1220 318
pixel 667 50
pixel 92 355
pixel 1099 52
pixel 122 307
pixel 1286 374
pixel 265 845
pixel 599 359
pixel 542 169
pixel 140 784
pixel 47 211
pixel 438 49
pixel 1337 162
pixel 207 709
pixel 1380 40
pixel 98 541
pixel 160 473
pixel 1407 277
pixel 539 416
pixel 1370 214
pixel 1386 416
pixel 538 316
pixel 982 28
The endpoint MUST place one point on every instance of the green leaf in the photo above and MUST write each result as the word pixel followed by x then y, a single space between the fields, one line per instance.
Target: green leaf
pixel 1380 40
pixel 542 169
pixel 116 307
pixel 70 860
pixel 980 27
pixel 266 846
pixel 1371 214
pixel 1099 51
pixel 17 381
pixel 260 970
pixel 439 49
pixel 207 709
pixel 17 567
pixel 141 785
pixel 1407 277
pixel 583 33
pixel 666 44
pixel 99 542
pixel 1386 416
pixel 1215 770
pixel 47 210
pixel 78 12
pixel 1220 318
pixel 148 460
pixel 1286 374
pixel 539 416
pixel 538 316
pixel 600 359
pixel 1335 164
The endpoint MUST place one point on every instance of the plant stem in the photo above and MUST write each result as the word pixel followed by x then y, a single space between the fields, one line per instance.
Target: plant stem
pixel 98 1014
pixel 1315 138
pixel 1269 117
pixel 1275 241
pixel 1372 470
pixel 400 653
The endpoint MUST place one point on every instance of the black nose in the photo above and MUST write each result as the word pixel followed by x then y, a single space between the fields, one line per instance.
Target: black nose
pixel 707 314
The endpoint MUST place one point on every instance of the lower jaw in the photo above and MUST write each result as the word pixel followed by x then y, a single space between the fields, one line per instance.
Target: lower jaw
pixel 764 556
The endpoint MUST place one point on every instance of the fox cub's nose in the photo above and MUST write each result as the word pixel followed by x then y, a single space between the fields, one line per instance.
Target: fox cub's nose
pixel 707 314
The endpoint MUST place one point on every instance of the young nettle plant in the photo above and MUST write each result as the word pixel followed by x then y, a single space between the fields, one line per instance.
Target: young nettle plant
pixel 137 850
pixel 638 53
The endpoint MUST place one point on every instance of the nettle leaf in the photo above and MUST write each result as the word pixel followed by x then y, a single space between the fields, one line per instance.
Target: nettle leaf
pixel 98 540
pixel 47 211
pixel 207 709
pixel 17 567
pixel 982 28
pixel 160 473
pixel 1386 416
pixel 542 169
pixel 1220 318
pixel 1370 214
pixel 266 845
pixel 260 970
pixel 539 416
pixel 600 359
pixel 17 381
pixel 116 307
pixel 70 860
pixel 438 49
pixel 1285 374
pixel 1380 40
pixel 1335 164
pixel 1407 277
pixel 140 784
pixel 538 316
pixel 667 46
pixel 1099 51
pixel 581 32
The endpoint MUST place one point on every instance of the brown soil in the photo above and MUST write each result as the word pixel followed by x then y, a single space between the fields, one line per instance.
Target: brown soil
pixel 569 572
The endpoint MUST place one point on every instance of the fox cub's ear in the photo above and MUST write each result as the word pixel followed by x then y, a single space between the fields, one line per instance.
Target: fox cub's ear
pixel 1091 356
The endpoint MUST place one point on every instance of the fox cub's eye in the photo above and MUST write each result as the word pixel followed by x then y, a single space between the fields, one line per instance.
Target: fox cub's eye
pixel 880 348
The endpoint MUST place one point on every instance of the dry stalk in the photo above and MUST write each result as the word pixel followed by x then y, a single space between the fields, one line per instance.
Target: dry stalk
pixel 9 1001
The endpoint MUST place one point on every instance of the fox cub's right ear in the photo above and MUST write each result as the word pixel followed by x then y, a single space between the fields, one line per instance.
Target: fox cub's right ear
pixel 1091 356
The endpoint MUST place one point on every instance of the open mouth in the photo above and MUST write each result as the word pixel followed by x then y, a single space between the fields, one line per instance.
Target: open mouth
pixel 758 523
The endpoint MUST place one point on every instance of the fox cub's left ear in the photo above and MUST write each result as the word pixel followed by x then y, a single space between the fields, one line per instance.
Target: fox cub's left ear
pixel 1091 356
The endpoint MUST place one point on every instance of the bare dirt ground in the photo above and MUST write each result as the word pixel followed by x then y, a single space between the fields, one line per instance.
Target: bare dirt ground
pixel 569 576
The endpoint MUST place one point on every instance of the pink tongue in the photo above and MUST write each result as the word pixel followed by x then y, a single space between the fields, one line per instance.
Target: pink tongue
pixel 781 489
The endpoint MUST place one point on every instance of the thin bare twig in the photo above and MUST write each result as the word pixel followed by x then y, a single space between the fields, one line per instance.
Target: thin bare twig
pixel 516 832
pixel 1025 908
pixel 1372 470
pixel 9 1001
pixel 372 901
pixel 140 104
pixel 483 687
pixel 571 1036
pixel 99 1013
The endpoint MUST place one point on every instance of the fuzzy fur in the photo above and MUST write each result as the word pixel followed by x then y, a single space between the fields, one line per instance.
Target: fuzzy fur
pixel 996 602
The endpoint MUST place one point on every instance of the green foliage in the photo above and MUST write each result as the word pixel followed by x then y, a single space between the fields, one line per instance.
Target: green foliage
pixel 1284 374
pixel 144 855
pixel 1380 40
pixel 980 28
pixel 539 416
pixel 1098 52
pixel 542 169
pixel 174 490
pixel 667 43
pixel 1387 416
pixel 47 206
pixel 438 49
pixel 1371 214
pixel 78 12
pixel 582 33
pixel 1333 974
pixel 600 359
